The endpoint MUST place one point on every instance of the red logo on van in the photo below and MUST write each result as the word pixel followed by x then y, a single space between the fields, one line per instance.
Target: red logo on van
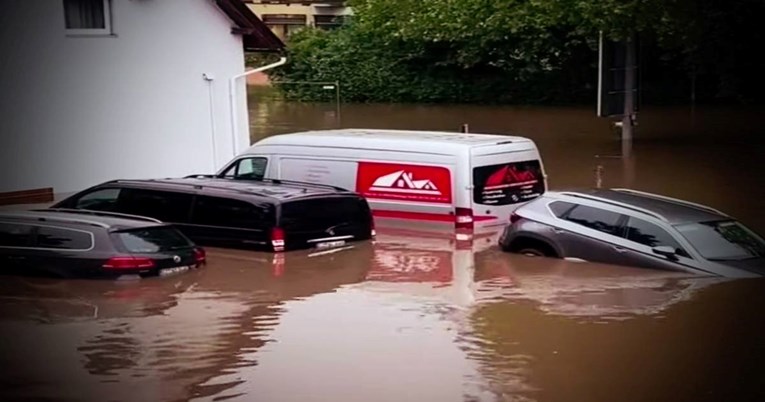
pixel 510 175
pixel 404 182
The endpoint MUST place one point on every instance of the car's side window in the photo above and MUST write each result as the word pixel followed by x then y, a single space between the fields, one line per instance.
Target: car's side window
pixel 63 239
pixel 215 211
pixel 166 206
pixel 598 219
pixel 101 200
pixel 247 168
pixel 15 235
pixel 559 208
pixel 651 235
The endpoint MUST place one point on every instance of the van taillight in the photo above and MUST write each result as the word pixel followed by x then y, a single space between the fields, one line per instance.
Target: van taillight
pixel 463 218
pixel 514 217
pixel 277 239
pixel 200 255
pixel 129 263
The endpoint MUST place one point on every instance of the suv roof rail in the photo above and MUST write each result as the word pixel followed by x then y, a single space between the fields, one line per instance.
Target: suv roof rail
pixel 304 183
pixel 197 185
pixel 614 203
pixel 670 199
pixel 275 181
pixel 236 190
pixel 47 218
pixel 102 213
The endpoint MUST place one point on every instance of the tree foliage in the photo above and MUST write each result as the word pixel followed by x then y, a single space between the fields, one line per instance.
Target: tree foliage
pixel 514 51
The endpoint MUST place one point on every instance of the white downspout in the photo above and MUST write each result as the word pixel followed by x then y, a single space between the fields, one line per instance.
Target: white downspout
pixel 232 99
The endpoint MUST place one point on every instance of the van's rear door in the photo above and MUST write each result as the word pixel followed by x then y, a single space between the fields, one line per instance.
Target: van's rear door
pixel 327 220
pixel 504 176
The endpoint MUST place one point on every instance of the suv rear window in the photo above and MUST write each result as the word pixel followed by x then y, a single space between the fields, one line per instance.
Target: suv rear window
pixel 508 183
pixel 152 240
pixel 323 213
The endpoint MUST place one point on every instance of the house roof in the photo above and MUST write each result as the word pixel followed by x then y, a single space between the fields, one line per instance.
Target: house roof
pixel 256 36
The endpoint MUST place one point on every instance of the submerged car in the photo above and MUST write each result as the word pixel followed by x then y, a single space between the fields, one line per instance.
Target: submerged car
pixel 629 227
pixel 74 244
pixel 268 215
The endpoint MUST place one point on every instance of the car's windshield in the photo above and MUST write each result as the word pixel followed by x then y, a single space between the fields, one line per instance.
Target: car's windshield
pixel 723 240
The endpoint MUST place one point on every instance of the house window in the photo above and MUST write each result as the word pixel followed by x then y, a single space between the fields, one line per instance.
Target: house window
pixel 87 17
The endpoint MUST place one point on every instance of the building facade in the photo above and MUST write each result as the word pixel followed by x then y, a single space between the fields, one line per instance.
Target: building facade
pixel 284 17
pixel 95 90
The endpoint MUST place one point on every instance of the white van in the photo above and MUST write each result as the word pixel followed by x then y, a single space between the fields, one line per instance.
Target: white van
pixel 463 180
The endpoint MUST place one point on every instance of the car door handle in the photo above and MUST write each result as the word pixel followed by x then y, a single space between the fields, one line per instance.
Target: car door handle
pixel 17 257
pixel 620 249
pixel 559 231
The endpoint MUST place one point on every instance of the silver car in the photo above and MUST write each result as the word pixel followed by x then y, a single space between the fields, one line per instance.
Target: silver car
pixel 629 227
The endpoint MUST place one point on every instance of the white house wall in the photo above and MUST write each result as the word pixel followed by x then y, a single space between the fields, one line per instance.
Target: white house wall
pixel 77 111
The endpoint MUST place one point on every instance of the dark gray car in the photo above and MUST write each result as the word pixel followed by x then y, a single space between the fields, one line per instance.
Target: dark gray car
pixel 629 227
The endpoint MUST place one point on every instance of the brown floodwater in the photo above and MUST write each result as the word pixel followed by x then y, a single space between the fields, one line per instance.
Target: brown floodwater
pixel 412 317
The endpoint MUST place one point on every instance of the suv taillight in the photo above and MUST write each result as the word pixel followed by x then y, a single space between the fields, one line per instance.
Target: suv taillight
pixel 129 263
pixel 514 217
pixel 200 255
pixel 463 218
pixel 277 239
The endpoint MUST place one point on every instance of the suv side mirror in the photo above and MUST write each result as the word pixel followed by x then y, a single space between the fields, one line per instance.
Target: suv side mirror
pixel 665 251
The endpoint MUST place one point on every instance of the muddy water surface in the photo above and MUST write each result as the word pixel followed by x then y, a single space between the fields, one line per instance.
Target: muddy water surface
pixel 415 318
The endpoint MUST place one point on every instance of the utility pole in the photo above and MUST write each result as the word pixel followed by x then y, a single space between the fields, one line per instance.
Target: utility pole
pixel 628 116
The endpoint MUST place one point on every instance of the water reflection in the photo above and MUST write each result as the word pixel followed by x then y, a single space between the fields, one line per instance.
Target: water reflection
pixel 705 350
pixel 410 315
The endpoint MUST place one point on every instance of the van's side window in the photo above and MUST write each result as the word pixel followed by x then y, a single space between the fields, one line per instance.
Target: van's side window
pixel 15 235
pixel 166 206
pixel 104 199
pixel 214 211
pixel 247 168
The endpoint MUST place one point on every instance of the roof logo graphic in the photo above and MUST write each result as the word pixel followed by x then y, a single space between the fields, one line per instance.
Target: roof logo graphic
pixel 403 182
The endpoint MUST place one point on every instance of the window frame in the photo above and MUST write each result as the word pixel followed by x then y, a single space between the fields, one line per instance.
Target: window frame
pixel 625 234
pixel 105 31
pixel 78 198
pixel 620 226
pixel 34 240
pixel 203 199
pixel 128 196
pixel 31 235
pixel 234 166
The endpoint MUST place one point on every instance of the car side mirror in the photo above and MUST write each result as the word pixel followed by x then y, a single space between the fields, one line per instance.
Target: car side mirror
pixel 666 251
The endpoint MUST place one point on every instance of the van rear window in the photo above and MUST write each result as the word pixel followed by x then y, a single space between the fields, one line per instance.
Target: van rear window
pixel 323 213
pixel 508 183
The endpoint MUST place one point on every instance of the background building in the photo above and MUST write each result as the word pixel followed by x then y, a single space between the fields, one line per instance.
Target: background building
pixel 286 16
pixel 95 90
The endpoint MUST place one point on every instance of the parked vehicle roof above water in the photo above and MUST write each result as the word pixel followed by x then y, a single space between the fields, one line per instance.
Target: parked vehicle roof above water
pixel 105 220
pixel 400 140
pixel 671 210
pixel 277 190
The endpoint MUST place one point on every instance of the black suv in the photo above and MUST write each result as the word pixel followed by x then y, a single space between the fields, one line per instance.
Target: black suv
pixel 272 215
pixel 74 243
